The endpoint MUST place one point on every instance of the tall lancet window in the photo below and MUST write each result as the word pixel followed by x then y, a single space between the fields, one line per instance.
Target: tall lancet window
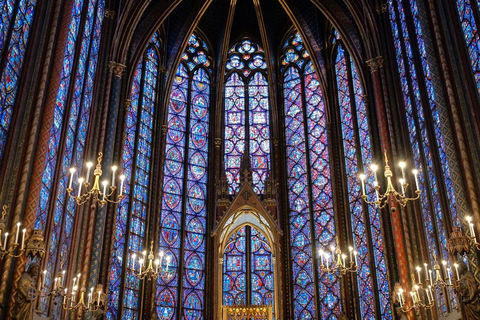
pixel 247 119
pixel 358 155
pixel 312 224
pixel 15 24
pixel 427 141
pixel 468 11
pixel 131 214
pixel 183 211
pixel 67 137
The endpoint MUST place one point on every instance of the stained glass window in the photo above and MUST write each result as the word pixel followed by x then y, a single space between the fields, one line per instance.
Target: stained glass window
pixel 470 31
pixel 184 187
pixel 310 197
pixel 136 163
pixel 15 26
pixel 74 119
pixel 248 269
pixel 247 119
pixel 412 80
pixel 353 115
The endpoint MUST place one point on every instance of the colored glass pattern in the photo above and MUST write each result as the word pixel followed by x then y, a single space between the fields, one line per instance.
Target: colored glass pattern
pixel 247 123
pixel 235 269
pixel 19 22
pixel 470 32
pixel 186 158
pixel 262 281
pixel 306 141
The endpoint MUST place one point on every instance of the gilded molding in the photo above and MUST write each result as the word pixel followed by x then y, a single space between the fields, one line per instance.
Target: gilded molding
pixel 109 14
pixel 117 68
pixel 127 103
pixel 382 8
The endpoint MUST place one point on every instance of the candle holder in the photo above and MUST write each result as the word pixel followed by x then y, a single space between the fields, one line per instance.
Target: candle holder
pixel 471 236
pixel 390 194
pixel 148 271
pixel 17 248
pixel 75 301
pixel 338 264
pixel 417 298
pixel 94 192
pixel 57 289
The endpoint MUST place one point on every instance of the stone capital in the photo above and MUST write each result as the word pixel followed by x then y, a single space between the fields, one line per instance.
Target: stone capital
pixel 116 68
pixel 375 63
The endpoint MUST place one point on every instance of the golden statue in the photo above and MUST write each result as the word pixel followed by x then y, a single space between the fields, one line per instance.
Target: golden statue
pixel 26 293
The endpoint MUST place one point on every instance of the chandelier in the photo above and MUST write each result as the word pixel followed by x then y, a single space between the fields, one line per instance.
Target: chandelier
pixel 390 194
pixel 94 192
pixel 30 245
pixel 339 263
pixel 146 270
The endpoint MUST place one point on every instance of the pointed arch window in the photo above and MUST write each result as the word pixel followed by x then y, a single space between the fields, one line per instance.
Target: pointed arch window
pixel 183 210
pixel 247 114
pixel 312 224
pixel 358 155
pixel 248 269
pixel 429 150
pixel 131 215
pixel 15 27
pixel 71 115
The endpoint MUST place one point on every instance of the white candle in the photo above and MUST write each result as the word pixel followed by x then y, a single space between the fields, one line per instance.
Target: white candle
pixel 105 182
pixel 431 276
pixel 18 232
pixel 65 296
pixel 55 282
pixel 456 269
pixel 362 178
pixel 80 183
pixel 114 169
pixel 402 182
pixel 415 174
pixel 402 166
pixel 413 296
pixel 157 262
pixel 343 258
pixel 99 295
pixel 320 253
pixel 418 272
pixel 141 265
pixel 472 231
pixel 449 276
pixel 89 166
pixel 426 271
pixel 327 257
pixel 63 278
pixel 355 256
pixel 72 172
pixel 74 281
pixel 444 263
pixel 399 298
pixel 122 180
pixel 428 296
pixel 374 168
pixel 44 276
pixel 89 299
pixel 5 243
pixel 23 238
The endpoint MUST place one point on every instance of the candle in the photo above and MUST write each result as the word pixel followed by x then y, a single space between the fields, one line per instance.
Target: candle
pixel 428 296
pixel 65 296
pixel 362 178
pixel 44 277
pixel 378 196
pixel 444 263
pixel 415 174
pixel 320 253
pixel 114 169
pixel 105 183
pixel 80 183
pixel 449 276
pixel 413 296
pixel 343 258
pixel 426 271
pixel 23 238
pixel 122 180
pixel 99 295
pixel 55 282
pixel 89 166
pixel 456 269
pixel 418 272
pixel 141 265
pixel 89 299
pixel 5 242
pixel 374 168
pixel 18 232
pixel 431 293
pixel 472 231
pixel 402 183
pixel 431 276
pixel 74 280
pixel 400 297
pixel 327 257
pixel 355 256
pixel 72 172
pixel 402 166
pixel 417 294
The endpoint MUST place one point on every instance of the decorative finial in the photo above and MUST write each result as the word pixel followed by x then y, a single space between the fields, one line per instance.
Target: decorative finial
pixel 386 157
pixel 99 159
